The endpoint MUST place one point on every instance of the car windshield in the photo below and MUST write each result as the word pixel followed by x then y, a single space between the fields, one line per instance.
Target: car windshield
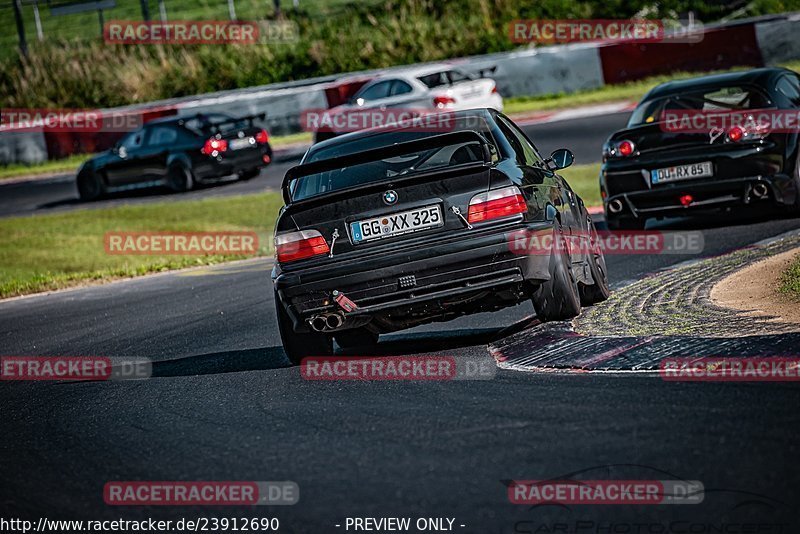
pixel 729 98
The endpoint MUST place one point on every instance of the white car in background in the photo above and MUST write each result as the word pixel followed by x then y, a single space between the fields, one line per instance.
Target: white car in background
pixel 433 87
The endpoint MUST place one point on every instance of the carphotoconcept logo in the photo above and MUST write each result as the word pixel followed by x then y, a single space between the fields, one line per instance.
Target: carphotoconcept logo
pixel 181 243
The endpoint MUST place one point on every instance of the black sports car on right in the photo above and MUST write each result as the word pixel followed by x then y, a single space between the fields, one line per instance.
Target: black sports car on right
pixel 655 170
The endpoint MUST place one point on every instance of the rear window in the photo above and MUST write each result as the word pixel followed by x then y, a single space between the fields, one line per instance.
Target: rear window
pixel 448 77
pixel 413 162
pixel 730 98
pixel 205 124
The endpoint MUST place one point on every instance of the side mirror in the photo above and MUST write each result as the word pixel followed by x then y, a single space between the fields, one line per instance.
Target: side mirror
pixel 560 159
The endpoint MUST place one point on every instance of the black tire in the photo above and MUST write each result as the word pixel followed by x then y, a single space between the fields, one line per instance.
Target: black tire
pixel 597 292
pixel 180 179
pixel 249 174
pixel 625 223
pixel 299 346
pixel 356 338
pixel 793 210
pixel 90 186
pixel 558 298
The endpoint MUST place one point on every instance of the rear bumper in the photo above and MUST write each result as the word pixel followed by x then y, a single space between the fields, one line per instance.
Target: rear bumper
pixel 211 169
pixel 425 283
pixel 664 200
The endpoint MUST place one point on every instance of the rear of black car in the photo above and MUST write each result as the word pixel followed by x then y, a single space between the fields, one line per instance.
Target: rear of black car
pixel 667 162
pixel 398 235
pixel 229 146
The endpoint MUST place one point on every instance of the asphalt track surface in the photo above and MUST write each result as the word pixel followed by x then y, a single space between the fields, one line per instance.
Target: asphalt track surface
pixel 59 193
pixel 224 405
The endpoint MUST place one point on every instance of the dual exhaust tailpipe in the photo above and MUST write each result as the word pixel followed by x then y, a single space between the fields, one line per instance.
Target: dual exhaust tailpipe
pixel 326 322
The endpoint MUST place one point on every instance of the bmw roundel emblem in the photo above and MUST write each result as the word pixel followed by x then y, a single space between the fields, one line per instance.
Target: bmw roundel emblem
pixel 390 197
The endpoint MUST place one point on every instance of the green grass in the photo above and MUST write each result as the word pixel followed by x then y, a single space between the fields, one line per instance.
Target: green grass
pixel 790 280
pixel 283 140
pixel 86 25
pixel 583 180
pixel 70 164
pixel 50 252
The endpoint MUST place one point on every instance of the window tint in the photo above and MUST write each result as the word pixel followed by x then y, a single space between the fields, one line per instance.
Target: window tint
pixel 526 154
pixel 729 98
pixel 374 92
pixel 456 76
pixel 162 136
pixel 788 85
pixel 399 87
pixel 133 140
pixel 437 79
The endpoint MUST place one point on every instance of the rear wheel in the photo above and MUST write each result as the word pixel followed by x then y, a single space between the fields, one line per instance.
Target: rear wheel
pixel 557 299
pixel 90 186
pixel 356 338
pixel 180 179
pixel 299 346
pixel 597 292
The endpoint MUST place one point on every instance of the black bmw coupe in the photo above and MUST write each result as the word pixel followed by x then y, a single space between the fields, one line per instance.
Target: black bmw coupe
pixel 390 228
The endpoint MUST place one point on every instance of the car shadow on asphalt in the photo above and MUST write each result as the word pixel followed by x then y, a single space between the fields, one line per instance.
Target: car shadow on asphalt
pixel 232 361
pixel 719 219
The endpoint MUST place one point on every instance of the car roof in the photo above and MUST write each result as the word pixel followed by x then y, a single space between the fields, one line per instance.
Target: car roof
pixel 759 77
pixel 485 113
pixel 414 72
pixel 173 120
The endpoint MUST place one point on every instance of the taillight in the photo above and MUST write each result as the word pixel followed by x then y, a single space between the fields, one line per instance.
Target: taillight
pixel 294 246
pixel 736 133
pixel 214 146
pixel 753 131
pixel 443 101
pixel 494 90
pixel 625 148
pixel 496 204
pixel 262 137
